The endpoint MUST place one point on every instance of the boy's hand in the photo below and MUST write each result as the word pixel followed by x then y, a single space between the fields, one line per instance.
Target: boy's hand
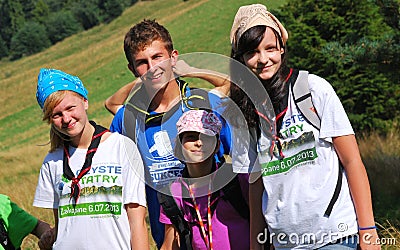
pixel 183 69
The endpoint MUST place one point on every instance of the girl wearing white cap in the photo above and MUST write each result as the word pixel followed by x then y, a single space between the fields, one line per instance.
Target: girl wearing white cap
pixel 314 190
pixel 91 178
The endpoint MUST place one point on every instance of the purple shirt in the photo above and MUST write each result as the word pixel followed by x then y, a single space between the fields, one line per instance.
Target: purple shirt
pixel 229 229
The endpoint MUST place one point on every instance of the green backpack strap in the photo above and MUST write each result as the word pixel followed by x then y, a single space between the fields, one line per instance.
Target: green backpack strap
pixel 303 100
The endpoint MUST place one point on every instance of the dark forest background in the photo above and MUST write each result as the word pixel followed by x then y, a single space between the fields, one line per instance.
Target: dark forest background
pixel 29 26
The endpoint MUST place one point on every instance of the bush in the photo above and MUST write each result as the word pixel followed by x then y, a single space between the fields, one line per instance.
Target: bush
pixel 30 39
pixel 112 9
pixel 88 15
pixel 61 25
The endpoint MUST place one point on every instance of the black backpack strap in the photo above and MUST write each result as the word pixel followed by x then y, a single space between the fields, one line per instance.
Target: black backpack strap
pixel 233 193
pixel 173 212
pixel 5 240
pixel 336 193
pixel 303 100
pixel 198 99
pixel 129 122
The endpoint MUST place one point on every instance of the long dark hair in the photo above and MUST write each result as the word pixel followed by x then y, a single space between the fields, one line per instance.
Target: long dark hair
pixel 275 86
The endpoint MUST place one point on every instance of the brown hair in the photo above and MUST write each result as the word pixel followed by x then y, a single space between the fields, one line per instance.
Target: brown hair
pixel 142 35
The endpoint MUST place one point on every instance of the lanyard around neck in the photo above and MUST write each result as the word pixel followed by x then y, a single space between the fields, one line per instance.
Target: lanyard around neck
pixel 75 187
pixel 207 240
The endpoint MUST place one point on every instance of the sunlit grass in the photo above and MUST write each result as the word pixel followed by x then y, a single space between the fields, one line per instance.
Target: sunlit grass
pixel 381 156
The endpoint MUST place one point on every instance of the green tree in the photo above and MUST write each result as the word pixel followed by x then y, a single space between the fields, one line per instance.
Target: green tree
pixel 30 39
pixel 390 9
pixel 27 7
pixel 352 46
pixel 3 48
pixel 41 12
pixel 11 19
pixel 17 15
pixel 87 13
pixel 111 9
pixel 56 5
pixel 61 25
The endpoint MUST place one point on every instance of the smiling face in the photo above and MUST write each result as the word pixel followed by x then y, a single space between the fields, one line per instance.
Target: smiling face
pixel 265 60
pixel 154 65
pixel 69 116
pixel 198 147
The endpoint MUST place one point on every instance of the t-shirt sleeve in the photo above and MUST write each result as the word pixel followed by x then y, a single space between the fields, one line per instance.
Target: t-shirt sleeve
pixel 134 182
pixel 45 195
pixel 116 124
pixel 21 224
pixel 334 120
pixel 244 151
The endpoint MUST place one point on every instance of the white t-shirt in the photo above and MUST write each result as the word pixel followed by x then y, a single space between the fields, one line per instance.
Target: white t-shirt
pixel 299 188
pixel 99 220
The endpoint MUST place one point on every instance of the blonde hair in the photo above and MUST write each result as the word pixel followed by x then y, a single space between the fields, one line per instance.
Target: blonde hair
pixel 56 138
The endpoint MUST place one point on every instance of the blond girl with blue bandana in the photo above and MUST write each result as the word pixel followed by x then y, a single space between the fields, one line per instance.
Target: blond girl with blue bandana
pixel 91 178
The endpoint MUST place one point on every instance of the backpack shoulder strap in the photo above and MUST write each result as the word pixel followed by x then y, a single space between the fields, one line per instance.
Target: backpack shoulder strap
pixel 129 122
pixel 4 238
pixel 303 100
pixel 174 213
pixel 233 193
pixel 199 99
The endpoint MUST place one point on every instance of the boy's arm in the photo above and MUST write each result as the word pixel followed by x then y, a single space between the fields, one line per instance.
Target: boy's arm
pixel 348 152
pixel 137 222
pixel 171 238
pixel 114 102
pixel 220 81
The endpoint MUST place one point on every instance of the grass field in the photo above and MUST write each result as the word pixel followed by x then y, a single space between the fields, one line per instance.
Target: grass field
pixel 96 56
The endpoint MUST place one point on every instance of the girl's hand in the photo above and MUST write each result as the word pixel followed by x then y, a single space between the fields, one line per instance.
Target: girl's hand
pixel 369 240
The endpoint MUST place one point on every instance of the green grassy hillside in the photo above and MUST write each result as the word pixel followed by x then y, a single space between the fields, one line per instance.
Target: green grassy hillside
pixel 96 56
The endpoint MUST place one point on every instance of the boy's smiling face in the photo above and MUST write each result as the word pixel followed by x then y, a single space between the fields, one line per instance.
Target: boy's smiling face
pixel 154 64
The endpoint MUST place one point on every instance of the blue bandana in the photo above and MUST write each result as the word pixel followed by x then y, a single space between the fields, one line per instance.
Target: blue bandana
pixel 52 80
